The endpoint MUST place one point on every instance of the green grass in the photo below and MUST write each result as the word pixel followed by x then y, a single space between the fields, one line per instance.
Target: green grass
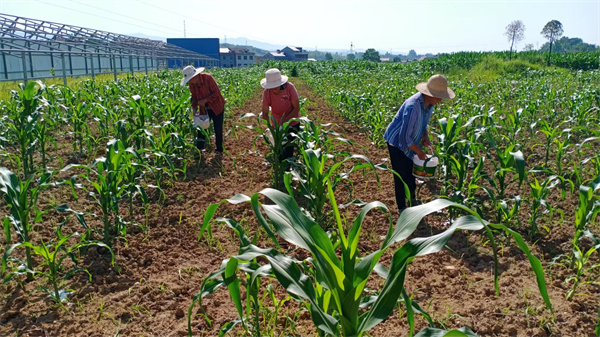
pixel 492 68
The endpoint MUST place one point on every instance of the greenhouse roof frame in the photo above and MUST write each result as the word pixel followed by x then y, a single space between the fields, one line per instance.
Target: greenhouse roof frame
pixel 29 35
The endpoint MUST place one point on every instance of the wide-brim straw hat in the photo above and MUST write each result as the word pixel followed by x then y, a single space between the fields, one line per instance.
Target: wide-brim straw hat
pixel 189 72
pixel 436 86
pixel 273 79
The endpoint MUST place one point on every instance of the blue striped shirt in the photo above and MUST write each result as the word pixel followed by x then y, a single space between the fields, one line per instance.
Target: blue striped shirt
pixel 409 125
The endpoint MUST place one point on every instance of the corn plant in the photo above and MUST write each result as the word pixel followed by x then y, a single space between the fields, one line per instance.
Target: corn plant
pixel 507 213
pixel 314 173
pixel 21 196
pixel 581 261
pixel 272 316
pixel 79 121
pixel 44 137
pixel 23 117
pixel 474 183
pixel 587 210
pixel 275 136
pixel 317 166
pixel 139 119
pixel 53 256
pixel 513 123
pixel 505 165
pixel 334 293
pixel 449 140
pixel 107 177
pixel 561 150
pixel 459 165
pixel 550 132
pixel 539 206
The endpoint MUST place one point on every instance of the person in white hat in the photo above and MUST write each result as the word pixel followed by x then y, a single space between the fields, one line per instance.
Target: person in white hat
pixel 206 101
pixel 281 96
pixel 407 134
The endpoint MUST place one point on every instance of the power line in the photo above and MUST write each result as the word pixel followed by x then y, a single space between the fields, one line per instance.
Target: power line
pixel 125 16
pixel 102 17
pixel 200 21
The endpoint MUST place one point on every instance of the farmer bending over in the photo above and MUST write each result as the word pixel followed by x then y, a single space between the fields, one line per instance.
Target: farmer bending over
pixel 407 133
pixel 206 100
pixel 282 97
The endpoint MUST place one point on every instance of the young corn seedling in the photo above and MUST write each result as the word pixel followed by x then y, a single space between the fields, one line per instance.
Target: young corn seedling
pixel 53 256
pixel 21 197
pixel 551 132
pixel 506 165
pixel 539 206
pixel 47 123
pixel 78 117
pixel 139 118
pixel 159 155
pixel 449 141
pixel 341 280
pixel 473 185
pixel 314 173
pixel 581 263
pixel 276 138
pixel 318 166
pixel 272 316
pixel 107 177
pixel 23 116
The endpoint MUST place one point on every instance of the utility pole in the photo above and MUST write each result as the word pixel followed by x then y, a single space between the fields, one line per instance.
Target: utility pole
pixel 184 29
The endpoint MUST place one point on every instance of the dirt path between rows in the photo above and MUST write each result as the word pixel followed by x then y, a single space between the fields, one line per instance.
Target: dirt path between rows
pixel 158 273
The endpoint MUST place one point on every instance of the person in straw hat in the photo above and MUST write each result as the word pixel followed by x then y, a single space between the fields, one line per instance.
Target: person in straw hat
pixel 281 96
pixel 206 100
pixel 407 134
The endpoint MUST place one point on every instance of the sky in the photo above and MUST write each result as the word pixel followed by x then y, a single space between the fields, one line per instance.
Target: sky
pixel 441 26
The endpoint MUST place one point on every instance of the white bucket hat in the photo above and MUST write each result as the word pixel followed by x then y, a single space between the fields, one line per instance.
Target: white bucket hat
pixel 436 86
pixel 189 72
pixel 273 79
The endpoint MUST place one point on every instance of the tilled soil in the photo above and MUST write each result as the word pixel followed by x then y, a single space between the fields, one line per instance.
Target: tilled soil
pixel 156 273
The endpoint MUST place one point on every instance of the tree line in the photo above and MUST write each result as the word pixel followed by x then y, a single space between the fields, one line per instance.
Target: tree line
pixel 552 31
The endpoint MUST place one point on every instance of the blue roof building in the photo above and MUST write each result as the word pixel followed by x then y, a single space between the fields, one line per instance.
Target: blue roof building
pixel 204 46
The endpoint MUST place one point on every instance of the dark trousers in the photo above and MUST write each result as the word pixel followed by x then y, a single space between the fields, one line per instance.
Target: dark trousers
pixel 288 152
pixel 218 128
pixel 403 165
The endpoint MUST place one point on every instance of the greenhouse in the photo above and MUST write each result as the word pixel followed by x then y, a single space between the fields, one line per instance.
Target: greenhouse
pixel 33 49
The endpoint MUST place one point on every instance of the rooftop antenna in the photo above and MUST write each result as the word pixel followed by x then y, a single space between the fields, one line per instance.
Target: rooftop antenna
pixel 183 28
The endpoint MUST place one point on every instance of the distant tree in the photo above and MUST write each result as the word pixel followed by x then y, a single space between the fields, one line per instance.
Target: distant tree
pixel 412 54
pixel 397 59
pixel 328 57
pixel 515 32
pixel 371 55
pixel 351 57
pixel 528 47
pixel 566 44
pixel 552 31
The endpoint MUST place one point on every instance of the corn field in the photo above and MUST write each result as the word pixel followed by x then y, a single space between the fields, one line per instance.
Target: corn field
pixel 111 214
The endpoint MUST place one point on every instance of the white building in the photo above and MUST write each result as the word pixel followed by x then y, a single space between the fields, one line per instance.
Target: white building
pixel 236 57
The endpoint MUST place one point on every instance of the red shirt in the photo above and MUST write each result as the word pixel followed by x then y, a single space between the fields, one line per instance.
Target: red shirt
pixel 206 88
pixel 282 103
